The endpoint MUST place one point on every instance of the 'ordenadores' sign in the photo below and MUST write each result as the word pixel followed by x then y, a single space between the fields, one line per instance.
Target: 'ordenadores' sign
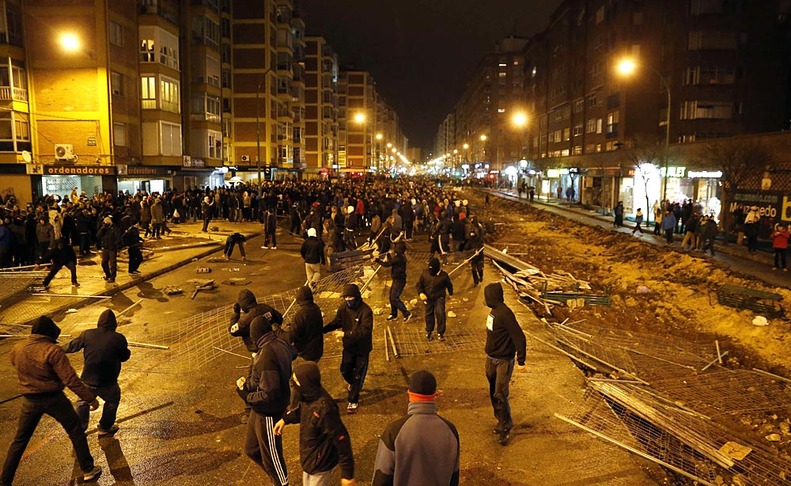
pixel 90 170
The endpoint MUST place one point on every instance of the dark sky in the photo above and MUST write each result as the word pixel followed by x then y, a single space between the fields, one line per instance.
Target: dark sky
pixel 421 52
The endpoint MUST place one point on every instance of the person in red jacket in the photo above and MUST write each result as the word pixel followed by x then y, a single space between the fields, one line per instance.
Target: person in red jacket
pixel 780 244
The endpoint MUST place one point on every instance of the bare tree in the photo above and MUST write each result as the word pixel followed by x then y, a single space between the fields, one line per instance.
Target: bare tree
pixel 645 154
pixel 740 161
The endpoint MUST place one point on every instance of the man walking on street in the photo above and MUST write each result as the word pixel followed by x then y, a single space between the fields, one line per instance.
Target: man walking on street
pixel 475 243
pixel 270 229
pixel 504 339
pixel 397 266
pixel 266 392
pixel 312 252
pixel 421 448
pixel 323 439
pixel 356 319
pixel 104 350
pixel 133 241
pixel 431 288
pixel 110 238
pixel 207 207
pixel 44 371
pixel 61 256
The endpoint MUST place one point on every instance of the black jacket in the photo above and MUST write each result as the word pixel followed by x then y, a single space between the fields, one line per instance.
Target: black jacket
pixel 357 325
pixel 397 266
pixel 266 389
pixel 323 439
pixel 61 254
pixel 434 285
pixel 504 337
pixel 312 250
pixel 104 350
pixel 110 237
pixel 244 320
pixel 305 330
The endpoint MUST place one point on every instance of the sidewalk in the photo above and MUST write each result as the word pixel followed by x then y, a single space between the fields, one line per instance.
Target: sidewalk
pixel 758 265
pixel 188 243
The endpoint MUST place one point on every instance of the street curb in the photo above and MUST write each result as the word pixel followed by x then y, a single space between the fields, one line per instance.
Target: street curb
pixel 148 276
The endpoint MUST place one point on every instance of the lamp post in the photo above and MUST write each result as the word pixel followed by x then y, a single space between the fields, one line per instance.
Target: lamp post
pixel 627 67
pixel 258 126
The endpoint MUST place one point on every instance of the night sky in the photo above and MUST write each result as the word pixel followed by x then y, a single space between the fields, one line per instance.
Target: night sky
pixel 421 52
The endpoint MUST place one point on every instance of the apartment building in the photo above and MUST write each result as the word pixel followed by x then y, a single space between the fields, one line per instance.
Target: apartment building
pixel 321 106
pixel 356 120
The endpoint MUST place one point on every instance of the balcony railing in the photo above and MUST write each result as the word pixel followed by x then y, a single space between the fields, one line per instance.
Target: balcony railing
pixel 8 93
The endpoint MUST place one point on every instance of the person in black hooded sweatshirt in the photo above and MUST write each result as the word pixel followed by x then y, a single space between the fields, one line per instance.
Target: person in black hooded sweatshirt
pixel 266 392
pixel 62 255
pixel 397 264
pixel 356 319
pixel 323 439
pixel 431 288
pixel 103 350
pixel 504 339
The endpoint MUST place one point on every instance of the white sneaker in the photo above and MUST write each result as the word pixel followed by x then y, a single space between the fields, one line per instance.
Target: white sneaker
pixel 352 407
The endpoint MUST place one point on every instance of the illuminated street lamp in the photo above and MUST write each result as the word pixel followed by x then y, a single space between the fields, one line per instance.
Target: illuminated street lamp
pixel 359 118
pixel 69 42
pixel 519 119
pixel 627 67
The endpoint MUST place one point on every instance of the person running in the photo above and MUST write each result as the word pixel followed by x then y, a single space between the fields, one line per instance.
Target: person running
pixel 397 264
pixel 43 372
pixel 356 319
pixel 638 222
pixel 104 350
pixel 61 256
pixel 504 339
pixel 423 447
pixel 266 392
pixel 323 439
pixel 431 288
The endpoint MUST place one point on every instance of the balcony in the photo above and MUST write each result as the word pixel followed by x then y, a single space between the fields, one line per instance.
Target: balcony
pixel 8 93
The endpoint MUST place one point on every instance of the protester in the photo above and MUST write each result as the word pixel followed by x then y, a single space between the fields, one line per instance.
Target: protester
pixel 61 256
pixel 104 350
pixel 421 448
pixel 356 319
pixel 235 239
pixel 504 339
pixel 312 252
pixel 324 441
pixel 397 264
pixel 266 392
pixel 431 289
pixel 475 243
pixel 43 372
pixel 270 229
pixel 132 240
pixel 110 238
pixel 207 209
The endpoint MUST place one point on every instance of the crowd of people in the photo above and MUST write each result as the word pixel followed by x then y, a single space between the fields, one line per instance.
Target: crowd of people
pixel 283 384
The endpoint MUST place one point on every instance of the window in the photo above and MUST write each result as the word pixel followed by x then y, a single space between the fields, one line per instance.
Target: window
pixel 591 126
pixel 699 40
pixel 577 150
pixel 551 137
pixel 215 145
pixel 147 51
pixel 612 123
pixel 170 141
pixel 566 134
pixel 599 125
pixel 116 34
pixel 709 75
pixel 596 68
pixel 213 71
pixel 593 101
pixel 206 107
pixel 119 134
pixel 711 110
pixel 578 130
pixel 117 83
pixel 558 135
pixel 148 92
pixel 170 94
pixel 205 31
pixel 579 105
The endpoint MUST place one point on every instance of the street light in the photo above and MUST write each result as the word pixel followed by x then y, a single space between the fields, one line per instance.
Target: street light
pixel 359 118
pixel 627 67
pixel 69 42
pixel 520 119
pixel 258 127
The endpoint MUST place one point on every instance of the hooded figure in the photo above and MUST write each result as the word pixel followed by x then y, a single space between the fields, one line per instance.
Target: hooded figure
pixel 356 319
pixel 305 331
pixel 312 252
pixel 431 288
pixel 504 339
pixel 398 265
pixel 44 371
pixel 104 350
pixel 323 439
pixel 240 324
pixel 475 243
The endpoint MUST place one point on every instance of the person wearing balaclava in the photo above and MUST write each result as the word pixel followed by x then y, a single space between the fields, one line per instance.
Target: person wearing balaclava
pixel 110 238
pixel 431 289
pixel 62 255
pixel 421 448
pixel 504 340
pixel 397 264
pixel 245 310
pixel 323 439
pixel 356 319
pixel 266 392
pixel 44 371
pixel 312 252
pixel 206 207
pixel 103 349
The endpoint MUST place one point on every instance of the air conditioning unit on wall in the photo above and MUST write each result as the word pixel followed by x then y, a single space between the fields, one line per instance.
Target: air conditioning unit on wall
pixel 245 158
pixel 64 152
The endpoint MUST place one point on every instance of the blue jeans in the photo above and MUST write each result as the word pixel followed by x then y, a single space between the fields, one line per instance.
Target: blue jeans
pixel 111 395
pixel 395 298
pixel 57 406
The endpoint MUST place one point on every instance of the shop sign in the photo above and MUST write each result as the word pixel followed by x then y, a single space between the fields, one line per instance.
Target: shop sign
pixel 141 170
pixel 555 173
pixel 771 204
pixel 193 162
pixel 79 170
pixel 704 174
pixel 678 172
pixel 34 169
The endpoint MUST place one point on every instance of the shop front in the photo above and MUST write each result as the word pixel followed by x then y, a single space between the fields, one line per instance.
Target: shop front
pixel 137 178
pixel 62 179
